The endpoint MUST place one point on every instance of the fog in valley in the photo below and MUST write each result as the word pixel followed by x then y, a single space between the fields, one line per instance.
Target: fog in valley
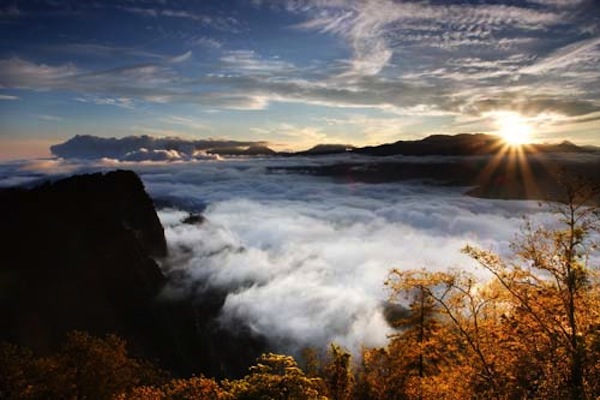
pixel 303 259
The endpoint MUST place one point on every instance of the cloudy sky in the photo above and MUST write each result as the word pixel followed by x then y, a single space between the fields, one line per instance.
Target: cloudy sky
pixel 296 72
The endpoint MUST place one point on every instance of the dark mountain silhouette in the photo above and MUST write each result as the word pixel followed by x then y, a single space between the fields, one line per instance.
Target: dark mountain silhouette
pixel 326 149
pixel 464 144
pixel 77 254
pixel 482 161
pixel 256 150
pixel 140 148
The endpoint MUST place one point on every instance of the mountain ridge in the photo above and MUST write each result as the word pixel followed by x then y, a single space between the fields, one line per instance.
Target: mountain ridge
pixel 147 148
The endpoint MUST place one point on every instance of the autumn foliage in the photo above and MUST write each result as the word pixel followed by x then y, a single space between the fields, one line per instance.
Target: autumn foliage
pixel 530 331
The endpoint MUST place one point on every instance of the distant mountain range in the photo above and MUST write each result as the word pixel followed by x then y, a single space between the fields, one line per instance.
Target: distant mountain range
pixel 142 148
pixel 498 172
pixel 464 144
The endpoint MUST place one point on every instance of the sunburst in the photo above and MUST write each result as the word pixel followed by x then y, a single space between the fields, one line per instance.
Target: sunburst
pixel 511 156
pixel 513 129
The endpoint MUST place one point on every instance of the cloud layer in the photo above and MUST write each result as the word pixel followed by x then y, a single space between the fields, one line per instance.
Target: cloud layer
pixel 302 259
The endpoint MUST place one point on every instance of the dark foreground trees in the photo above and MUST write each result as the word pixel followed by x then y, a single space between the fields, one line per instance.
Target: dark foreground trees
pixel 88 367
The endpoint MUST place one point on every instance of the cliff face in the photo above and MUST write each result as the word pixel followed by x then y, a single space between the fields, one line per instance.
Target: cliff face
pixel 76 254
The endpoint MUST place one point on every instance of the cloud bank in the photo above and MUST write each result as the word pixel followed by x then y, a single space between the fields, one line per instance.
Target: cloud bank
pixel 142 148
pixel 302 259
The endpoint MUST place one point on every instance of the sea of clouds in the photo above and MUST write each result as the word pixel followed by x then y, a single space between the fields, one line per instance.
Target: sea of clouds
pixel 303 259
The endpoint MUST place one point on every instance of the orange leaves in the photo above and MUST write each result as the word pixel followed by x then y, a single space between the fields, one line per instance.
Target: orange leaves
pixel 529 332
pixel 276 376
pixel 86 367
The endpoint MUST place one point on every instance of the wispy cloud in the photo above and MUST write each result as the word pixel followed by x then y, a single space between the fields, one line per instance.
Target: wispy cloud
pixel 204 41
pixel 225 23
pixel 559 3
pixel 188 122
pixel 117 86
pixel 493 47
pixel 122 102
pixel 19 73
pixel 181 58
pixel 105 50
pixel 250 61
pixel 578 53
pixel 46 117
pixel 376 29
pixel 8 97
pixel 250 82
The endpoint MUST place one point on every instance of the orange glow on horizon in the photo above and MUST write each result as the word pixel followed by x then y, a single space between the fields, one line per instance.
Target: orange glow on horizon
pixel 19 149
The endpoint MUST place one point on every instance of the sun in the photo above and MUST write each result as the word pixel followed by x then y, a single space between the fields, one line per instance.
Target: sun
pixel 513 129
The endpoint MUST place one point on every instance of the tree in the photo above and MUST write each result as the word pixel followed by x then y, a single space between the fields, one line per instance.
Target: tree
pixel 85 367
pixel 197 387
pixel 465 309
pixel 276 377
pixel 532 331
pixel 338 374
pixel 420 354
pixel 15 369
pixel 194 388
pixel 553 285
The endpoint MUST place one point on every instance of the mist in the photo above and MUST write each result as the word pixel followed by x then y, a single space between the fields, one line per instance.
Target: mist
pixel 302 259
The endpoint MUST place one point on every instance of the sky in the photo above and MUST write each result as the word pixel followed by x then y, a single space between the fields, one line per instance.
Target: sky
pixel 297 72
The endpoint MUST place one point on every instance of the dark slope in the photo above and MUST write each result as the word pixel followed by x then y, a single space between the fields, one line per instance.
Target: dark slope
pixel 455 145
pixel 464 144
pixel 325 149
pixel 77 254
pixel 243 151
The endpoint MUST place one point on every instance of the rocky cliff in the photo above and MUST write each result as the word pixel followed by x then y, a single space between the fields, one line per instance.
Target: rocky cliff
pixel 79 254
pixel 76 254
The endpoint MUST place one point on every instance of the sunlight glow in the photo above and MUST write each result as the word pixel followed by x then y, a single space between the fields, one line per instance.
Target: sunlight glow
pixel 510 166
pixel 513 128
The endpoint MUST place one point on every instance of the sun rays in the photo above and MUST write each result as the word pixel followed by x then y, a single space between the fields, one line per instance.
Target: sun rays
pixel 510 168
